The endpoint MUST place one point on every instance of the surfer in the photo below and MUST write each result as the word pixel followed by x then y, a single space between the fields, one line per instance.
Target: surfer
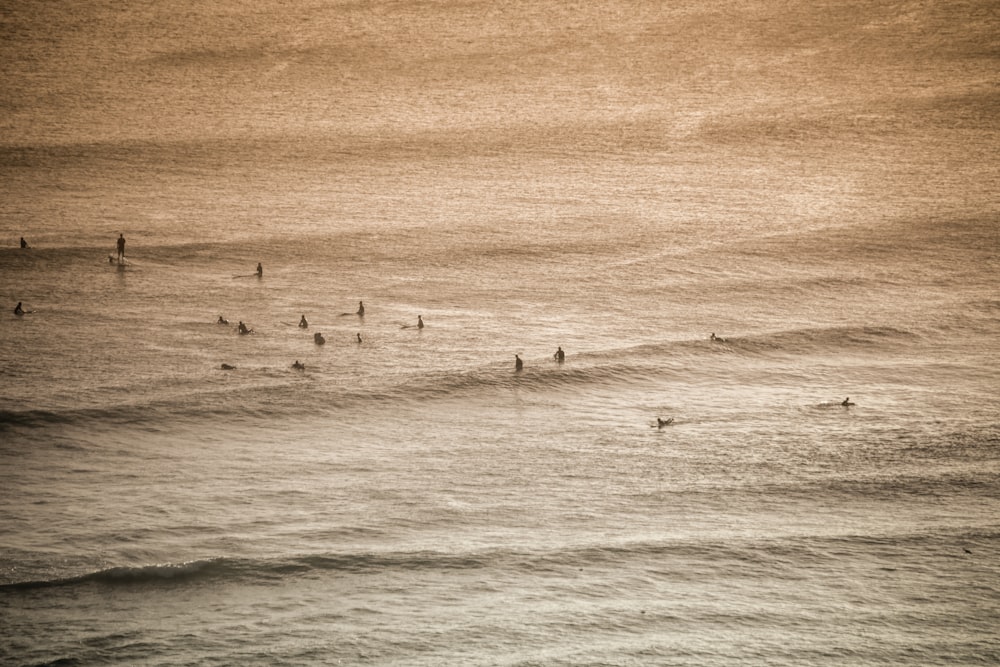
pixel 847 402
pixel 18 310
pixel 260 270
pixel 717 339
pixel 303 324
pixel 222 320
pixel 121 248
pixel 359 338
pixel 660 423
pixel 298 365
pixel 318 338
pixel 243 329
pixel 559 356
pixel 24 244
pixel 518 364
pixel 361 308
pixel 227 367
pixel 420 322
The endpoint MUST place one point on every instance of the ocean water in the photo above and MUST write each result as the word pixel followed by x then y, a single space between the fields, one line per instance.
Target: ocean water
pixel 813 182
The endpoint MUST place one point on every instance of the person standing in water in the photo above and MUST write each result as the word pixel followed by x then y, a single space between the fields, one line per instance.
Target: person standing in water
pixel 518 364
pixel 420 321
pixel 559 356
pixel 260 270
pixel 361 308
pixel 121 248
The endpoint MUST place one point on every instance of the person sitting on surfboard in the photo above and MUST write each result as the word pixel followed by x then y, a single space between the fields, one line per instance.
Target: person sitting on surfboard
pixel 243 329
pixel 24 244
pixel 660 423
pixel 18 310
pixel 420 322
pixel 518 364
pixel 298 365
pixel 222 320
pixel 303 324
pixel 260 270
pixel 361 308
pixel 318 338
pixel 847 402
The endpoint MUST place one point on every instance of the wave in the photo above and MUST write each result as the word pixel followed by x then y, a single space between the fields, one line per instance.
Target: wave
pixel 739 551
pixel 276 396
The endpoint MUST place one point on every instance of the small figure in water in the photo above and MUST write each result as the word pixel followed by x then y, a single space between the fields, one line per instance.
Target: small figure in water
pixel 298 365
pixel 559 356
pixel 121 248
pixel 718 339
pixel 847 402
pixel 227 367
pixel 518 364
pixel 243 329
pixel 260 270
pixel 318 338
pixel 361 308
pixel 18 310
pixel 222 320
pixel 303 324
pixel 660 423
pixel 420 322
pixel 24 244
pixel 359 338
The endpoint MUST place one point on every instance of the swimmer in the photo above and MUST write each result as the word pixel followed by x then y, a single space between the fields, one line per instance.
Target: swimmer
pixel 361 308
pixel 222 320
pixel 227 367
pixel 243 329
pixel 420 322
pixel 18 310
pixel 660 423
pixel 260 270
pixel 303 324
pixel 559 356
pixel 298 365
pixel 318 338
pixel 847 402
pixel 518 364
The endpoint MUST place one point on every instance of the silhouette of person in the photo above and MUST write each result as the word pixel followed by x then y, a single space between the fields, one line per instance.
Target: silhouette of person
pixel 260 270
pixel 303 324
pixel 420 322
pixel 361 308
pixel 243 328
pixel 298 365
pixel 359 337
pixel 559 356
pixel 518 364
pixel 24 244
pixel 18 310
pixel 660 423
pixel 222 320
pixel 318 338
pixel 121 248
pixel 847 402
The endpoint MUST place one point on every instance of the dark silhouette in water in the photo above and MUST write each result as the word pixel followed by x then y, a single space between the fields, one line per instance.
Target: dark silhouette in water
pixel 243 329
pixel 420 321
pixel 717 339
pixel 260 270
pixel 518 364
pixel 24 244
pixel 559 356
pixel 359 337
pixel 361 308
pixel 222 320
pixel 847 402
pixel 121 248
pixel 227 367
pixel 298 365
pixel 318 338
pixel 18 310
pixel 303 324
pixel 660 423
